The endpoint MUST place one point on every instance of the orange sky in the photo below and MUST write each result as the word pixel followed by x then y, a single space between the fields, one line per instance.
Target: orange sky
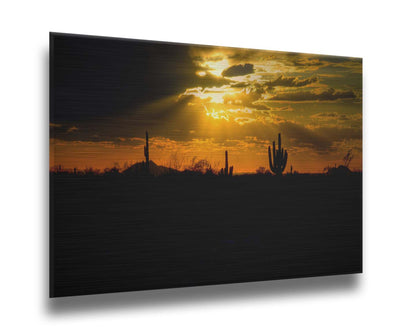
pixel 245 156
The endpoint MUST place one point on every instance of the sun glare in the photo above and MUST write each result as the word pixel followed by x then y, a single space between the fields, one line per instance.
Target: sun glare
pixel 216 67
pixel 216 114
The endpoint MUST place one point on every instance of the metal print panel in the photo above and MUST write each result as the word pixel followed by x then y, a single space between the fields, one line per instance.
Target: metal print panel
pixel 177 165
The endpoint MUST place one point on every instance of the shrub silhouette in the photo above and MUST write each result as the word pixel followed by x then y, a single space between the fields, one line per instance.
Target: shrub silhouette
pixel 201 167
pixel 347 158
pixel 112 171
pixel 341 170
pixel 262 171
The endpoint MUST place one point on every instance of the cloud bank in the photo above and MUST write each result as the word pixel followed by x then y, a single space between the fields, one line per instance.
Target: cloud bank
pixel 238 70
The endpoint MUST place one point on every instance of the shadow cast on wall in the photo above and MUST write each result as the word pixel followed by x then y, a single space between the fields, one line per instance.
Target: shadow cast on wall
pixel 206 294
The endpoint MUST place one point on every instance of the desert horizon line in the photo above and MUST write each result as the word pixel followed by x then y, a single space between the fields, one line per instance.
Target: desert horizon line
pixel 121 158
pixel 62 168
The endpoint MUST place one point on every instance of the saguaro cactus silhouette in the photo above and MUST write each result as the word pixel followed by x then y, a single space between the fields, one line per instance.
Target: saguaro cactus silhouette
pixel 226 171
pixel 146 152
pixel 277 158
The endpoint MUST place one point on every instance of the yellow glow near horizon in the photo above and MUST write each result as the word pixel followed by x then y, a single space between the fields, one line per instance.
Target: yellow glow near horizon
pixel 201 73
pixel 179 154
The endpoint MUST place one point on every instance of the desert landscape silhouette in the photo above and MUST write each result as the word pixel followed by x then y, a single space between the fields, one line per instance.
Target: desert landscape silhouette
pixel 277 165
pixel 150 226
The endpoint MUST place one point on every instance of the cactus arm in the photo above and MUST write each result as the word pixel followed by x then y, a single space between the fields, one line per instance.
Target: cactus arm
pixel 270 160
pixel 274 155
pixel 284 162
pixel 226 171
pixel 226 163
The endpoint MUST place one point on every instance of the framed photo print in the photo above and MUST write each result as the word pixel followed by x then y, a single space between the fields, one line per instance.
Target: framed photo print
pixel 175 165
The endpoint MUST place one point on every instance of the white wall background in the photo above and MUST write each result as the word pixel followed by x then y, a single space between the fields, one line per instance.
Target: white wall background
pixel 380 300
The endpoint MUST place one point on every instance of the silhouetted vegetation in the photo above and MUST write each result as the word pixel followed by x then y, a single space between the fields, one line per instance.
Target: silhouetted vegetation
pixel 277 163
pixel 198 218
pixel 146 153
pixel 115 170
pixel 341 170
pixel 226 171
pixel 263 171
pixel 347 158
pixel 200 167
pixel 277 158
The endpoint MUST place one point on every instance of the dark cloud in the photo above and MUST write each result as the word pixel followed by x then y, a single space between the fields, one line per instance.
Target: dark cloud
pixel 338 59
pixel 325 116
pixel 337 133
pixel 306 137
pixel 240 85
pixel 238 70
pixel 304 60
pixel 98 78
pixel 106 89
pixel 300 96
pixel 321 139
pixel 209 81
pixel 246 98
pixel 240 55
pixel 291 81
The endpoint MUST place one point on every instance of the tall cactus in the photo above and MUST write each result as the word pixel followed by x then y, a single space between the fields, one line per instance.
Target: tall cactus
pixel 226 171
pixel 279 160
pixel 146 153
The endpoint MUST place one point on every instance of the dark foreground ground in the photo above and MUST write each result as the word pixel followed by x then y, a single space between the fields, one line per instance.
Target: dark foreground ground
pixel 113 234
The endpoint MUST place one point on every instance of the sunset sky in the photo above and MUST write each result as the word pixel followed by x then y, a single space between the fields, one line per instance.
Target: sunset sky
pixel 197 102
